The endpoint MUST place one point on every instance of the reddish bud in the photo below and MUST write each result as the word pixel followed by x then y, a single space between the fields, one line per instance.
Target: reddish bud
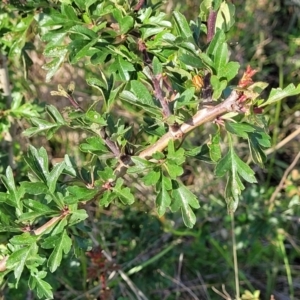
pixel 246 79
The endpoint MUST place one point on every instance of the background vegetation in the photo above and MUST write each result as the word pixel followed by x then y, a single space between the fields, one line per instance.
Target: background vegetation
pixel 159 258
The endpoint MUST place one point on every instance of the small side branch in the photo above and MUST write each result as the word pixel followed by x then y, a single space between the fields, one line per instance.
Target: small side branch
pixel 282 181
pixel 211 24
pixel 159 95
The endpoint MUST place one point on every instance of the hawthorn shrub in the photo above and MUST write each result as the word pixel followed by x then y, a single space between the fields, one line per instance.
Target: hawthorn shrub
pixel 169 75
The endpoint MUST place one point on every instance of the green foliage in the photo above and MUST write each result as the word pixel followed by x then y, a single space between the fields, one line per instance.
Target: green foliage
pixel 169 81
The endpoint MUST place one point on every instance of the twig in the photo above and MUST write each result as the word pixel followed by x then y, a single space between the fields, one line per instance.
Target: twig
pixel 47 225
pixel 223 295
pixel 178 283
pixel 204 285
pixel 282 181
pixel 283 142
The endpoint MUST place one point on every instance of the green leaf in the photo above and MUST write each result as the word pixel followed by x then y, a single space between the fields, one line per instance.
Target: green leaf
pixel 140 165
pixel 257 140
pixel 214 147
pixel 225 17
pixel 77 216
pixel 163 199
pixel 218 86
pixel 184 199
pixel 240 129
pixel 186 98
pixel 55 50
pixel 42 287
pixel 81 49
pixel 62 244
pixel 157 66
pixel 278 94
pixel 15 194
pixel 69 12
pixel 83 31
pixel 230 70
pixel 98 83
pixel 123 194
pixel 78 193
pixel 220 58
pixel 107 174
pixel 94 145
pixel 191 60
pixel 37 206
pixel 182 25
pixel 217 41
pixel 23 239
pixel 235 167
pixel 95 117
pixel 106 198
pixel 125 22
pixel 54 175
pixel 55 115
pixel 41 126
pixel 132 99
pixel 122 68
pixel 18 259
pixel 141 92
pixel 38 162
pixel 173 169
pixel 151 178
pixel 233 164
pixel 54 65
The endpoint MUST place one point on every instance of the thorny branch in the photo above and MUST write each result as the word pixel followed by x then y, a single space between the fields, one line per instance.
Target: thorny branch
pixel 202 116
